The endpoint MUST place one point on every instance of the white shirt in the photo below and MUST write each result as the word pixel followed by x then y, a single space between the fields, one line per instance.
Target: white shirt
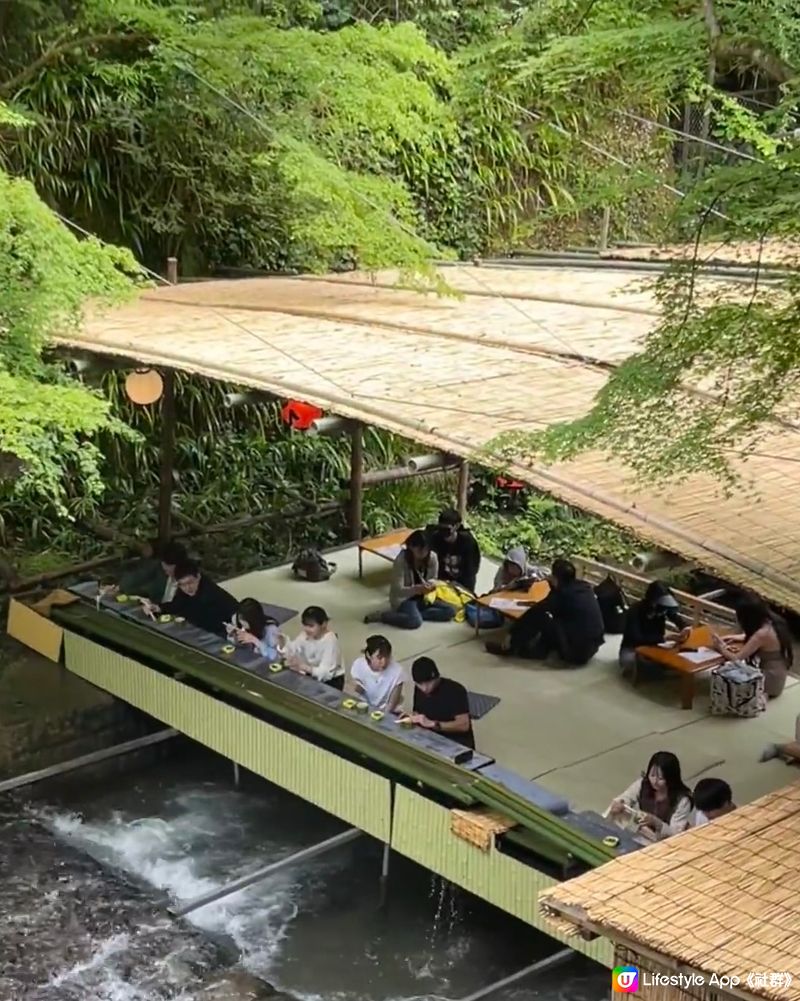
pixel 170 589
pixel 700 818
pixel 378 685
pixel 322 656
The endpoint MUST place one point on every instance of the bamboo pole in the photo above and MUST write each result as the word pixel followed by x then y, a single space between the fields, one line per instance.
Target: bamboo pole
pixel 167 458
pixel 379 476
pixel 356 480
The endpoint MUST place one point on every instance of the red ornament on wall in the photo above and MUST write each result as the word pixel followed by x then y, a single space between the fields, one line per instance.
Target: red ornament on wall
pixel 300 416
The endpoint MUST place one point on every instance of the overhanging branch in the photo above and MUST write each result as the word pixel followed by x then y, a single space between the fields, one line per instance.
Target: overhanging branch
pixel 61 48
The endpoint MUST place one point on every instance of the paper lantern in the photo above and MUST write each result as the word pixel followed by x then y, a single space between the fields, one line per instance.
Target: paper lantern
pixel 299 415
pixel 144 386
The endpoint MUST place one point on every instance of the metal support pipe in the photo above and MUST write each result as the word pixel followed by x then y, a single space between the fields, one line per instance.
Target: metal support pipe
pixel 384 890
pixel 231 400
pixel 330 426
pixel 421 463
pixel 544 964
pixel 378 476
pixel 268 870
pixel 87 759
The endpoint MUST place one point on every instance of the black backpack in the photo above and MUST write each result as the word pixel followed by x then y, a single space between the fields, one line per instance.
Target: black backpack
pixel 613 605
pixel 311 565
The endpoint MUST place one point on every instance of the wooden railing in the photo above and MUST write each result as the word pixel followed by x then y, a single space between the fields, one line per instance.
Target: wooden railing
pixel 696 610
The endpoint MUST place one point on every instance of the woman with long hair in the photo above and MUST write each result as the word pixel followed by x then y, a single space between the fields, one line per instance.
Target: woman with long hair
pixel 766 643
pixel 660 799
pixel 253 628
pixel 414 572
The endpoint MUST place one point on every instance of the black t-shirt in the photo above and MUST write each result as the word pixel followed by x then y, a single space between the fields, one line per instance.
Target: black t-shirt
pixel 209 609
pixel 448 700
pixel 460 559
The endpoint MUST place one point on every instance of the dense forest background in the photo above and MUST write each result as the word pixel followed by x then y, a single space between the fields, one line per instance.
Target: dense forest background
pixel 297 135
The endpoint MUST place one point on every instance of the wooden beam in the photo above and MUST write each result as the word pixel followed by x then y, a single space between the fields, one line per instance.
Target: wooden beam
pixel 463 489
pixel 167 457
pixel 356 480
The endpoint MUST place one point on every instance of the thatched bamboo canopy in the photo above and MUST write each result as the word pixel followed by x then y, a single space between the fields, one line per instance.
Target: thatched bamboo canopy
pixel 723 898
pixel 522 348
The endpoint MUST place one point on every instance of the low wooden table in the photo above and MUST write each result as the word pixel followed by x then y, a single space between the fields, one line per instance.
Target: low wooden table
pixel 687 668
pixel 386 546
pixel 513 604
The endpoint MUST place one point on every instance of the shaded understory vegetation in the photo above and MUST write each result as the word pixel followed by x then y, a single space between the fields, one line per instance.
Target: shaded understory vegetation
pixel 234 462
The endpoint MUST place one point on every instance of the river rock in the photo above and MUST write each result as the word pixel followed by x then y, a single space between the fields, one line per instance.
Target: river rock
pixel 238 985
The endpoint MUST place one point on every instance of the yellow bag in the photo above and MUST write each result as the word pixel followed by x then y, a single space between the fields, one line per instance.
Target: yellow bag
pixel 451 594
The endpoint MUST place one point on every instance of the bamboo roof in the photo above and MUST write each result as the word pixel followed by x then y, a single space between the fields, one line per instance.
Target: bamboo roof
pixel 723 898
pixel 520 349
pixel 770 251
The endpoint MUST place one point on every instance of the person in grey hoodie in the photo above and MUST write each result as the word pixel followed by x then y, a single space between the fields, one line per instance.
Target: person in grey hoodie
pixel 515 572
pixel 413 574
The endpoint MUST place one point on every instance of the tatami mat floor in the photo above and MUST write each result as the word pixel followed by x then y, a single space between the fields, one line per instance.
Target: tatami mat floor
pixel 585 733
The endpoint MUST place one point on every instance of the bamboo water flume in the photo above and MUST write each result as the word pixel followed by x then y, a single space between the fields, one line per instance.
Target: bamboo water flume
pixel 405 763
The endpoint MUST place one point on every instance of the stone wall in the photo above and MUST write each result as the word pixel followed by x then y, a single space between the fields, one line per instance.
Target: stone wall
pixel 47 715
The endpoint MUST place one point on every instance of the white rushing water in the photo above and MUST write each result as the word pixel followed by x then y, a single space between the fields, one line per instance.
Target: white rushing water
pixel 207 842
pixel 312 930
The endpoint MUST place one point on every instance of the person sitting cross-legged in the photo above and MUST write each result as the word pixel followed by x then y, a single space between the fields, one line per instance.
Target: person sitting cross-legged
pixel 414 573
pixel 568 622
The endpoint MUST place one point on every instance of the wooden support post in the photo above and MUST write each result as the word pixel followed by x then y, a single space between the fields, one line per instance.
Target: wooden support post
pixel 605 226
pixel 356 480
pixel 463 488
pixel 172 270
pixel 167 457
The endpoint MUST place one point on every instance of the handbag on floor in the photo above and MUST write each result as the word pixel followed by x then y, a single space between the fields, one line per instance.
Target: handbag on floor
pixel 737 689
pixel 312 566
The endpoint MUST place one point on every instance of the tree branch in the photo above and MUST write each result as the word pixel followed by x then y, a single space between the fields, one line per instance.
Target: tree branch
pixel 61 48
pixel 747 51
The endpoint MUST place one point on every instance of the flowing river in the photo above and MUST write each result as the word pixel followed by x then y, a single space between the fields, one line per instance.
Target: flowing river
pixel 89 868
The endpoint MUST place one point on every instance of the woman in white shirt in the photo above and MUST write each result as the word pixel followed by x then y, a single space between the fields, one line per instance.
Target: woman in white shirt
pixel 660 796
pixel 315 651
pixel 377 677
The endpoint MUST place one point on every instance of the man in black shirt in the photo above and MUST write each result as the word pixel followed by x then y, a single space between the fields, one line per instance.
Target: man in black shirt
pixel 568 621
pixel 440 704
pixel 199 600
pixel 456 549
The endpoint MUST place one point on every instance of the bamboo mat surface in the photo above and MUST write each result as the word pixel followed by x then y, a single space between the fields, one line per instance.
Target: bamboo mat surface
pixel 723 898
pixel 519 349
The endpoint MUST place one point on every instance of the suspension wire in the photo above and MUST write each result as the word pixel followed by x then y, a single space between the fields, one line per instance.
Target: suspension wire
pixel 600 151
pixel 688 135
pixel 93 236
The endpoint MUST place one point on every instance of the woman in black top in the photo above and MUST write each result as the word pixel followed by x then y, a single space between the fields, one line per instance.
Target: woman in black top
pixel 646 625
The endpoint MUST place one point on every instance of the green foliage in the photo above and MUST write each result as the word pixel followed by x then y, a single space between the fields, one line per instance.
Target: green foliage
pixel 549 529
pixel 46 278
